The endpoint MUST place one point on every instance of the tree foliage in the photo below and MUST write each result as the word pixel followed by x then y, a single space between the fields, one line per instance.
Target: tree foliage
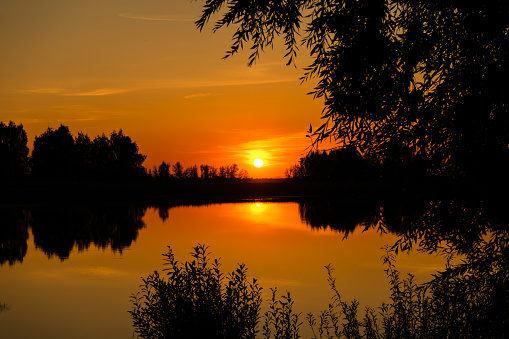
pixel 195 300
pixel 13 150
pixel 57 154
pixel 428 76
pixel 339 165
pixel 54 154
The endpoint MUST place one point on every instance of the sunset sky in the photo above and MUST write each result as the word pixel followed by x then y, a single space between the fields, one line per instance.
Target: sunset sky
pixel 143 67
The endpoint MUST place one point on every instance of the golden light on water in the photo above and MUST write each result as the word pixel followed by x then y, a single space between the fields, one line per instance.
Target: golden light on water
pixel 257 208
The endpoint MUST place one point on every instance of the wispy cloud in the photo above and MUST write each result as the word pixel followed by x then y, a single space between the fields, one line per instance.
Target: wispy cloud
pixel 157 17
pixel 98 92
pixel 197 95
pixel 149 85
pixel 44 90
pixel 68 92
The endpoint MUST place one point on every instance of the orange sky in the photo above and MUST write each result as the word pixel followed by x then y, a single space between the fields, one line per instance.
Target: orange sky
pixel 143 67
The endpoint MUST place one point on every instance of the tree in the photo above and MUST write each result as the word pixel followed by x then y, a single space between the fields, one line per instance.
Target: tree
pixel 427 76
pixel 223 172
pixel 13 150
pixel 232 171
pixel 243 174
pixel 163 170
pixel 126 161
pixel 84 156
pixel 178 170
pixel 53 155
pixel 205 172
pixel 191 172
pixel 116 156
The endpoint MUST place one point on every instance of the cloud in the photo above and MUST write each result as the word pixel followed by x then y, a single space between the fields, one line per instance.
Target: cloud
pixel 67 92
pixel 98 92
pixel 45 90
pixel 174 18
pixel 196 84
pixel 197 95
pixel 275 150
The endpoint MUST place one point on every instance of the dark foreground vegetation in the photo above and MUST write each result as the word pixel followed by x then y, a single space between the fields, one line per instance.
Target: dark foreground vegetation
pixel 195 299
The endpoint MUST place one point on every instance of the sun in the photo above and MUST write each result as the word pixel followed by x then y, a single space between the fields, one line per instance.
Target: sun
pixel 258 162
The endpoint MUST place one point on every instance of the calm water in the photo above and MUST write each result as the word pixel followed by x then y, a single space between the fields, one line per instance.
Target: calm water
pixel 73 270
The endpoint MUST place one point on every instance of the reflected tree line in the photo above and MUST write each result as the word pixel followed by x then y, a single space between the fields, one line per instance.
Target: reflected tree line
pixel 432 225
pixel 58 230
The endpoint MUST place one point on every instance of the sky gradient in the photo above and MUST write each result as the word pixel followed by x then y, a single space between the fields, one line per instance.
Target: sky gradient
pixel 143 67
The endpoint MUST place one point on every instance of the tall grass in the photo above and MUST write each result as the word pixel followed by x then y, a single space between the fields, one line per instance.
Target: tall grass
pixel 196 301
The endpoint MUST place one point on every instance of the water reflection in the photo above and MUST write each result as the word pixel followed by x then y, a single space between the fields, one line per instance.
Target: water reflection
pixel 58 230
pixel 469 298
pixel 13 235
pixel 292 257
pixel 257 207
pixel 449 225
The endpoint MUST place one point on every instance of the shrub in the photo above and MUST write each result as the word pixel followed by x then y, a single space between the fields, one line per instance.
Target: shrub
pixel 196 301
pixel 464 301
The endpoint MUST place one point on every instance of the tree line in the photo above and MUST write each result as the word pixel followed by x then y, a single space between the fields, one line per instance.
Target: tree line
pixel 206 172
pixel 348 165
pixel 57 153
pixel 342 164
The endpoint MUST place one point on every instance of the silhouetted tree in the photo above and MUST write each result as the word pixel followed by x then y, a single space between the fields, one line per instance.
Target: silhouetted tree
pixel 125 156
pixel 163 171
pixel 243 174
pixel 13 150
pixel 191 172
pixel 294 172
pixel 85 161
pixel 54 154
pixel 427 76
pixel 102 156
pixel 205 172
pixel 222 172
pixel 178 170
pixel 212 172
pixel 116 157
pixel 232 171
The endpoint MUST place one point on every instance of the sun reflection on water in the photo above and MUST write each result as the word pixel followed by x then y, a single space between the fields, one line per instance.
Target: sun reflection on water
pixel 257 207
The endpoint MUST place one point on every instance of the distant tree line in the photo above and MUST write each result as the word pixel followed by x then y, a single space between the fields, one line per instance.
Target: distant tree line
pixel 205 172
pixel 57 153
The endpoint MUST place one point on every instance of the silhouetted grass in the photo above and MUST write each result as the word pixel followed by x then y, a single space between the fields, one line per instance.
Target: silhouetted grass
pixel 195 301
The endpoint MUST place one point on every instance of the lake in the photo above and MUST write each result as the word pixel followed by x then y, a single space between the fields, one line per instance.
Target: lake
pixel 69 271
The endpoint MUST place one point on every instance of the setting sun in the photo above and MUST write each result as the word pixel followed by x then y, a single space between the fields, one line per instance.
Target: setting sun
pixel 258 163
